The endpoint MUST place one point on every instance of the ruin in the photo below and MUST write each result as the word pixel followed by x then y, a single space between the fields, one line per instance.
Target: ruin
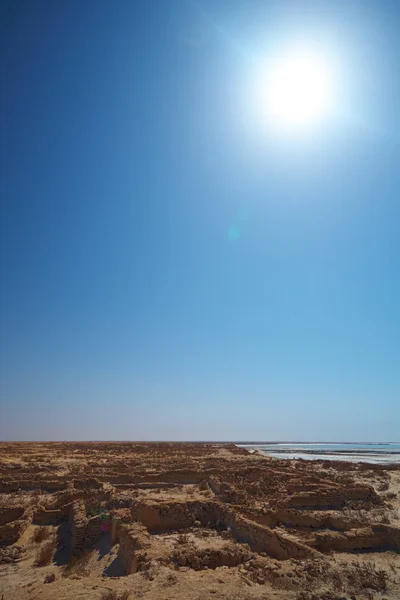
pixel 191 506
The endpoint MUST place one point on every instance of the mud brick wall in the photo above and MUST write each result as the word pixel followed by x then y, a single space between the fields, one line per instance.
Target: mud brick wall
pixel 153 485
pixel 91 484
pixel 93 497
pixel 7 487
pixel 13 522
pixel 379 536
pixel 166 516
pixel 199 559
pixel 182 476
pixel 84 531
pixel 215 485
pixel 333 498
pixel 162 517
pixel 94 529
pixel 10 514
pixel 178 476
pixel 47 517
pixel 133 541
pixel 297 518
pixel 10 533
pixel 78 523
pixel 262 539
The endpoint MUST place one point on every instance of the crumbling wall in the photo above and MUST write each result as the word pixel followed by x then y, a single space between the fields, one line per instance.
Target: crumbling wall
pixel 78 522
pixel 47 517
pixel 262 539
pixel 225 491
pixel 14 485
pixel 296 518
pixel 181 515
pixel 94 529
pixel 84 531
pixel 91 497
pixel 199 559
pixel 163 517
pixel 183 476
pixel 133 541
pixel 332 498
pixel 177 515
pixel 91 484
pixel 10 514
pixel 10 533
pixel 13 522
pixel 153 485
pixel 215 485
pixel 366 538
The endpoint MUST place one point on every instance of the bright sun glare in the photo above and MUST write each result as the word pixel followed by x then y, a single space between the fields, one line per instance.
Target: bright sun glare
pixel 295 91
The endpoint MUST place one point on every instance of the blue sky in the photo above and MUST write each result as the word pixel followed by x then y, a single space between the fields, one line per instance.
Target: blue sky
pixel 170 269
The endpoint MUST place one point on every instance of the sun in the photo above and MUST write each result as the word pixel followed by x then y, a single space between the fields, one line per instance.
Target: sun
pixel 295 90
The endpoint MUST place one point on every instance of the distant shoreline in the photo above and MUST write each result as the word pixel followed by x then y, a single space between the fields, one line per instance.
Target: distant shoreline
pixel 311 443
pixel 370 452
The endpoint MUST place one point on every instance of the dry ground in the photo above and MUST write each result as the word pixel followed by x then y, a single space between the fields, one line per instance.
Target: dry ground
pixel 177 521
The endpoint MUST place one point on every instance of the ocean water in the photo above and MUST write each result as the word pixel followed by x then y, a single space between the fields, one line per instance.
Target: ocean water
pixel 379 453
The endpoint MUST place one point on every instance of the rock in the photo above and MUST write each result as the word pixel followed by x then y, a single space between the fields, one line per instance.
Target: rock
pixel 196 563
pixel 181 560
pixel 257 563
pixel 50 578
pixel 154 564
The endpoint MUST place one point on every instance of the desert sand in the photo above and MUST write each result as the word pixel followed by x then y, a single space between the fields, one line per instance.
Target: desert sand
pixel 118 521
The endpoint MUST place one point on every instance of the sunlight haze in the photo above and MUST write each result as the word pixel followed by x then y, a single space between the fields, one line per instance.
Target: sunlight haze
pixel 199 233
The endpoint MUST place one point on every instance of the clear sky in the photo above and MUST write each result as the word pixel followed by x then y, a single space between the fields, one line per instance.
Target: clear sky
pixel 170 267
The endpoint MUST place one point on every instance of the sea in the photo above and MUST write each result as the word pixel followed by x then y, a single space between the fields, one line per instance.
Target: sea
pixel 370 452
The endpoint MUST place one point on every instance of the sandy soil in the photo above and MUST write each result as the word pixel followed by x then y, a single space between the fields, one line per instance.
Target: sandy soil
pixel 169 521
